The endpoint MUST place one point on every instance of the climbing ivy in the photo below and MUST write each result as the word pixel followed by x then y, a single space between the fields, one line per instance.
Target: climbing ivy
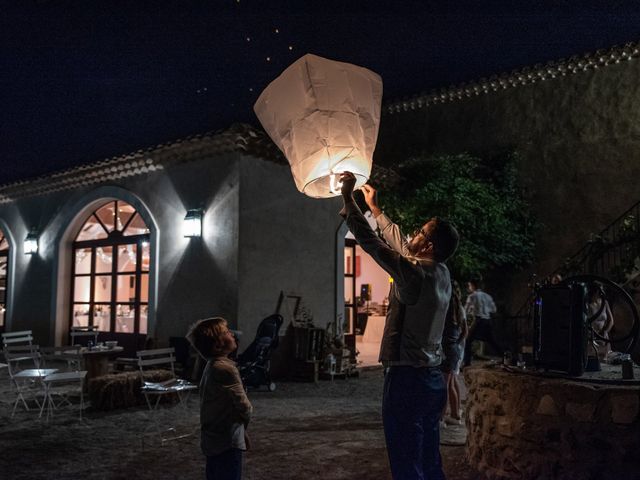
pixel 481 197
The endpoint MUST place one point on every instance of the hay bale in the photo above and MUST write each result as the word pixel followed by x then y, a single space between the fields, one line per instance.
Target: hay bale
pixel 122 390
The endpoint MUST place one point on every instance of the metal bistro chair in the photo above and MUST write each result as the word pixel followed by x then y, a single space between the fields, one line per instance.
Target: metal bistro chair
pixel 66 353
pixel 81 335
pixel 23 340
pixel 23 337
pixel 62 385
pixel 15 354
pixel 163 358
pixel 24 381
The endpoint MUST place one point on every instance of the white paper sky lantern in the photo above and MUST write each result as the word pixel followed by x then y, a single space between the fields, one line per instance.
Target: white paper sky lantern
pixel 324 116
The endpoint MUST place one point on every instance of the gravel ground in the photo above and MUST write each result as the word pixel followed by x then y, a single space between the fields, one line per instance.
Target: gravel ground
pixel 329 430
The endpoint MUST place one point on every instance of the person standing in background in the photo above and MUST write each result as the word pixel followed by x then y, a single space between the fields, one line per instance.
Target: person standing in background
pixel 479 307
pixel 453 342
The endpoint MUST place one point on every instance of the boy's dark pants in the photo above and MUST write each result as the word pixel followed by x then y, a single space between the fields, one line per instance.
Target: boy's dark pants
pixel 412 402
pixel 225 466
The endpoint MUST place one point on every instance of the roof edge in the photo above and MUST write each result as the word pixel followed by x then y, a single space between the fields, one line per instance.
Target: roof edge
pixel 516 78
pixel 238 137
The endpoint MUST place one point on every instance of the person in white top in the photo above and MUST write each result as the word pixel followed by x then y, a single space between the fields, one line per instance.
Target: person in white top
pixel 603 322
pixel 479 307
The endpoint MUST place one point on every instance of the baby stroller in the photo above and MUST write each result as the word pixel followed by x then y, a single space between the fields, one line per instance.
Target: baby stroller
pixel 254 362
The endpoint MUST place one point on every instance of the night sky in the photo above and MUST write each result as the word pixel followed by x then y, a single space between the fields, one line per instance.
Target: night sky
pixel 82 80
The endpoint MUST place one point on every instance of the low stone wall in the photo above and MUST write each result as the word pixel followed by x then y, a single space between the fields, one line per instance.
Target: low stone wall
pixel 523 426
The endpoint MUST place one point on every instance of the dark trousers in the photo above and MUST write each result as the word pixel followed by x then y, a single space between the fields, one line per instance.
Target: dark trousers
pixel 225 466
pixel 412 402
pixel 481 330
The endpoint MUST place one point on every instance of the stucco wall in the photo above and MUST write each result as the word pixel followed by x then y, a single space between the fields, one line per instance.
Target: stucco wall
pixel 195 277
pixel 287 242
pixel 31 284
pixel 579 140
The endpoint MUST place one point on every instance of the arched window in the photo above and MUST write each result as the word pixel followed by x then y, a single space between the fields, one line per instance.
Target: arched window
pixel 4 265
pixel 110 287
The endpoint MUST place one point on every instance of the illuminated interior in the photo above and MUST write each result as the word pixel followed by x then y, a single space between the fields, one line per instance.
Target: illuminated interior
pixel 4 257
pixel 364 318
pixel 110 287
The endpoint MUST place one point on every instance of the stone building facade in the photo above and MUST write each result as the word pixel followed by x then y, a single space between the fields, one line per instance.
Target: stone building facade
pixel 260 236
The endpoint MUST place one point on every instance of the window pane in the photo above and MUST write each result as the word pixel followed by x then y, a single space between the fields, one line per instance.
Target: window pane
pixel 127 258
pixel 4 245
pixel 106 215
pixel 348 319
pixel 81 315
pixel 3 279
pixel 348 290
pixel 136 227
pixel 81 289
pixel 83 260
pixel 91 230
pixel 348 260
pixel 126 288
pixel 102 288
pixel 144 288
pixel 144 312
pixel 125 212
pixel 104 259
pixel 102 317
pixel 146 257
pixel 124 318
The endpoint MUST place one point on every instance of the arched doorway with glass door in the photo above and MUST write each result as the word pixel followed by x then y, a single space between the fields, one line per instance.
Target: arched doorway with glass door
pixel 4 279
pixel 110 274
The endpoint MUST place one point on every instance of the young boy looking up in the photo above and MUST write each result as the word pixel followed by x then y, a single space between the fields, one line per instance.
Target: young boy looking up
pixel 225 409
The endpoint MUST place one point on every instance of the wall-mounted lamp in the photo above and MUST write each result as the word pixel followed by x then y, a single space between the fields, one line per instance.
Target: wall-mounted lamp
pixel 31 243
pixel 192 224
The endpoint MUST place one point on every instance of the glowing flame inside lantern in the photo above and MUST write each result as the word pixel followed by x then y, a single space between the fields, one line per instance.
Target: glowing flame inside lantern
pixel 324 116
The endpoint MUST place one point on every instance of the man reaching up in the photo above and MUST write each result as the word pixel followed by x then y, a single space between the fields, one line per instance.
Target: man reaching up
pixel 414 389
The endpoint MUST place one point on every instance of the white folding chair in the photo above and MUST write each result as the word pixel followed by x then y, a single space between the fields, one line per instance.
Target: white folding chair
pixel 26 382
pixel 15 354
pixel 23 337
pixel 62 385
pixel 79 334
pixel 69 354
pixel 163 358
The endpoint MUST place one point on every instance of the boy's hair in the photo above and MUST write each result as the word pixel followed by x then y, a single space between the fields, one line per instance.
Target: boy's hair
pixel 445 239
pixel 207 336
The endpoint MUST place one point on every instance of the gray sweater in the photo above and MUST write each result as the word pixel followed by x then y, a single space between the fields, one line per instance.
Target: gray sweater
pixel 419 296
pixel 225 409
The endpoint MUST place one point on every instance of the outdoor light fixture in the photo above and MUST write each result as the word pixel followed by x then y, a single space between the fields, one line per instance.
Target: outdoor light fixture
pixel 31 243
pixel 192 224
pixel 324 116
